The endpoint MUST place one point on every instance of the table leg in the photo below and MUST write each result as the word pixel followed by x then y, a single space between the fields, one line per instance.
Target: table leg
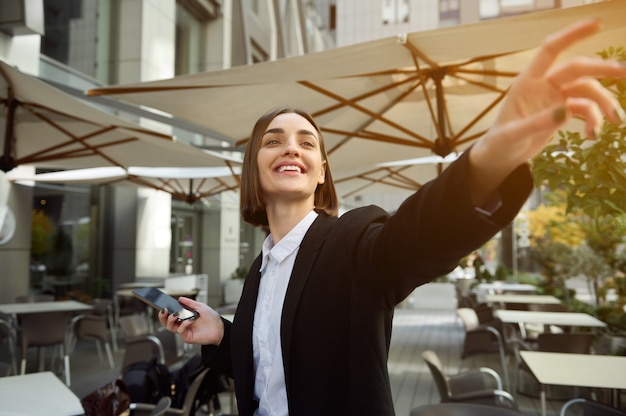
pixel 543 401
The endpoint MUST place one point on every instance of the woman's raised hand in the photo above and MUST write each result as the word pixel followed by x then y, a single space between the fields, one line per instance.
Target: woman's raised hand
pixel 541 99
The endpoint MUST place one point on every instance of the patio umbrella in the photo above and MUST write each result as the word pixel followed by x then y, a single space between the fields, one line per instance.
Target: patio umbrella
pixel 189 184
pixel 44 127
pixel 420 94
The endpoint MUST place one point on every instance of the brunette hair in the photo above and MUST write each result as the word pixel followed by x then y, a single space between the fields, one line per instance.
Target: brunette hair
pixel 252 205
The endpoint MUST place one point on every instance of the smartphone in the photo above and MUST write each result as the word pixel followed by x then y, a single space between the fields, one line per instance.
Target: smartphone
pixel 160 300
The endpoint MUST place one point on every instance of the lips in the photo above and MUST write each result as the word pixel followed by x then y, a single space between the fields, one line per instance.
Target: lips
pixel 289 168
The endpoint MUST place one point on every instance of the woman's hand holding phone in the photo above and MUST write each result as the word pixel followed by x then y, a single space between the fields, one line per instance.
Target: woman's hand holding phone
pixel 206 329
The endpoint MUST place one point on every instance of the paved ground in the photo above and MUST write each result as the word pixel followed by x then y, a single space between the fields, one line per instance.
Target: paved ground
pixel 425 320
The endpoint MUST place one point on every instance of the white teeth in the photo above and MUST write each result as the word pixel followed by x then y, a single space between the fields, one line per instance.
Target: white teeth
pixel 290 168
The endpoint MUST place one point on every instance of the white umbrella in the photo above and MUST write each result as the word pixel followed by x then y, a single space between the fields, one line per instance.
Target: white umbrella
pixel 424 93
pixel 189 184
pixel 47 128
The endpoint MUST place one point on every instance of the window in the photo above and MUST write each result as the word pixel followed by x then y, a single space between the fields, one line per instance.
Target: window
pixel 449 11
pixel 395 11
pixel 190 41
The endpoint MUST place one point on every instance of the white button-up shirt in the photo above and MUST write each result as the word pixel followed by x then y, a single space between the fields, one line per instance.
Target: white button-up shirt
pixel 276 268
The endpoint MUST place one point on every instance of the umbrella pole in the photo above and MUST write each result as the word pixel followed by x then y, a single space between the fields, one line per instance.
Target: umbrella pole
pixel 6 160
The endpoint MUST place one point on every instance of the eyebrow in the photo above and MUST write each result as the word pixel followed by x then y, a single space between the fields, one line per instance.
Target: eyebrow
pixel 301 132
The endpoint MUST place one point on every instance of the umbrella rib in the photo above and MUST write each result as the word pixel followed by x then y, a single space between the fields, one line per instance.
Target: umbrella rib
pixel 400 182
pixel 82 140
pixel 480 115
pixel 368 94
pixel 376 137
pixel 351 103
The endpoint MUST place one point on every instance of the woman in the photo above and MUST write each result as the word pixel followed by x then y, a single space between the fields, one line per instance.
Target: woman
pixel 312 329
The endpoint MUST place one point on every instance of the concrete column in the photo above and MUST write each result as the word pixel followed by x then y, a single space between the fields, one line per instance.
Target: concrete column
pixel 15 254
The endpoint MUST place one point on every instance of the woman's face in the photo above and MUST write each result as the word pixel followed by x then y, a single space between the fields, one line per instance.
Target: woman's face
pixel 290 160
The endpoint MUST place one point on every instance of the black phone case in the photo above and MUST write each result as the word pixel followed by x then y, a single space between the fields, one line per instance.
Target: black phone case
pixel 160 300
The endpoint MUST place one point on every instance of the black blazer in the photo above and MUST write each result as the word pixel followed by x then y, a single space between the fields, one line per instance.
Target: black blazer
pixel 349 274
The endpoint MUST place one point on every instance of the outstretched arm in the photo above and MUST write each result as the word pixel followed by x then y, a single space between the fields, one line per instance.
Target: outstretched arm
pixel 543 98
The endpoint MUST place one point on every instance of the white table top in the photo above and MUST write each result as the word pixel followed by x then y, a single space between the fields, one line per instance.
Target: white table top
pixel 583 370
pixel 509 287
pixel 512 298
pixel 38 307
pixel 549 318
pixel 37 394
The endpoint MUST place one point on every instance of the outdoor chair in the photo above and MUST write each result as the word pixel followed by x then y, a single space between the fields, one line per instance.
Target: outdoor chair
pixel 586 407
pixel 44 330
pixel 91 327
pixel 5 369
pixel 481 340
pixel 142 345
pixel 7 332
pixel 482 385
pixel 189 405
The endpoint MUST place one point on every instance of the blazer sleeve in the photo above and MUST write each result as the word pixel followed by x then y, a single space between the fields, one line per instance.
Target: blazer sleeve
pixel 218 357
pixel 432 230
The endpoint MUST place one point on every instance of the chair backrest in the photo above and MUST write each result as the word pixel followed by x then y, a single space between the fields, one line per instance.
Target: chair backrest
pixel 173 352
pixel 436 370
pixel 134 325
pixel 589 408
pixel 469 318
pixel 142 349
pixel 569 342
pixel 101 306
pixel 43 329
pixel 89 326
pixel 5 369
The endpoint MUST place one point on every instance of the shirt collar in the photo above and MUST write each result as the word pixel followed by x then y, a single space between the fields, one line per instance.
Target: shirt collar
pixel 289 243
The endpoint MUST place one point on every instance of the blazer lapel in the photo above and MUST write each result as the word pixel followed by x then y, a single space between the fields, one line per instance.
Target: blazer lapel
pixel 308 252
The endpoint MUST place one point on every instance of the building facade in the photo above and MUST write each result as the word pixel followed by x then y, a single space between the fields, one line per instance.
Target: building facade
pixel 117 234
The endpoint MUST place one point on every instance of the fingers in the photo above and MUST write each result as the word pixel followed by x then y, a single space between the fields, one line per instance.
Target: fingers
pixel 587 67
pixel 190 303
pixel 556 43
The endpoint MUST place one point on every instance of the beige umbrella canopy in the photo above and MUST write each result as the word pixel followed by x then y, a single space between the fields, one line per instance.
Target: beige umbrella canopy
pixel 421 94
pixel 44 127
pixel 189 184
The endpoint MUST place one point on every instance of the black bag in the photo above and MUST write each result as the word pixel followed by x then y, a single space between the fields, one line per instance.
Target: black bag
pixel 148 382
pixel 111 399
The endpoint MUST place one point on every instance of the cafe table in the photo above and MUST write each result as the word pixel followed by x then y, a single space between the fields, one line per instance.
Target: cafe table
pixel 39 307
pixel 573 319
pixel 499 287
pixel 578 370
pixel 37 394
pixel 462 409
pixel 514 298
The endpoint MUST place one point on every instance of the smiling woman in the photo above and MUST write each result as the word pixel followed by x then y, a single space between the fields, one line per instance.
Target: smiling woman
pixel 319 299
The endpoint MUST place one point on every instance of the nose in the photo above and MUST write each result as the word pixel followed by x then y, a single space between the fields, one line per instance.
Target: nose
pixel 291 147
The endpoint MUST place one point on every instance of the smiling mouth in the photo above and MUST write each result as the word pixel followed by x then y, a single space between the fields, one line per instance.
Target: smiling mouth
pixel 289 168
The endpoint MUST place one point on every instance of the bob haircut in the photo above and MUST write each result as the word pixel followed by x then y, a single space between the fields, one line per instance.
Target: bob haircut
pixel 252 204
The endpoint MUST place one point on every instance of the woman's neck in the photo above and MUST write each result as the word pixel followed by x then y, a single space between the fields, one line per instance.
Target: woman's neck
pixel 283 217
